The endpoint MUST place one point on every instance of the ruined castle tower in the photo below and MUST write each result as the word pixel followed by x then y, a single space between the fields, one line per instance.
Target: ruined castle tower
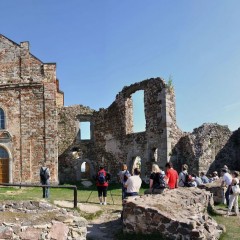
pixel 29 97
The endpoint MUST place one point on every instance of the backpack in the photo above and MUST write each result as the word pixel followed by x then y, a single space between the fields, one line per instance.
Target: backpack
pixel 188 182
pixel 159 181
pixel 44 174
pixel 125 176
pixel 101 178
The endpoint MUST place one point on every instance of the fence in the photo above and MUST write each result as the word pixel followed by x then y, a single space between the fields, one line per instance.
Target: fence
pixel 50 186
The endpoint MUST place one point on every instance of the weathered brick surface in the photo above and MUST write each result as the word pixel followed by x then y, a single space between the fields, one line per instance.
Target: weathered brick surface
pixel 28 92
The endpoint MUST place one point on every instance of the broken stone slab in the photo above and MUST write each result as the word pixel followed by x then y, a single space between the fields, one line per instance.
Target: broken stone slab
pixel 43 223
pixel 176 214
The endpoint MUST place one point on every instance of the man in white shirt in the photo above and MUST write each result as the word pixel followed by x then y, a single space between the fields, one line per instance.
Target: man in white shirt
pixel 133 183
pixel 226 180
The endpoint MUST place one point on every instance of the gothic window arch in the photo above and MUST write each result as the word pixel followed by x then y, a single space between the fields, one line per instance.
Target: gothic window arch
pixel 2 119
pixel 3 153
pixel 4 165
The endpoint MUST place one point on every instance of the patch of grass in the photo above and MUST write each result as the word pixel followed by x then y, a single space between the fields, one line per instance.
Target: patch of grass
pixel 90 216
pixel 232 224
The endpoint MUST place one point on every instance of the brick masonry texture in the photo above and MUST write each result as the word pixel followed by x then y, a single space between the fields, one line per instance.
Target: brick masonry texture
pixel 28 92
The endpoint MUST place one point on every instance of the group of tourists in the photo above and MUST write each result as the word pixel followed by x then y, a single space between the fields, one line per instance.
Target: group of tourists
pixel 158 181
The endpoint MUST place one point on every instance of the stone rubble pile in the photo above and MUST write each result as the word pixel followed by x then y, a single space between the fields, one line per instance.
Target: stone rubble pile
pixel 32 220
pixel 176 214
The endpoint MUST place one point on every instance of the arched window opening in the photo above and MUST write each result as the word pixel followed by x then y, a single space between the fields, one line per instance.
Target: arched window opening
pixel 154 155
pixel 85 170
pixel 83 167
pixel 2 119
pixel 139 120
pixel 136 163
pixel 3 153
pixel 4 166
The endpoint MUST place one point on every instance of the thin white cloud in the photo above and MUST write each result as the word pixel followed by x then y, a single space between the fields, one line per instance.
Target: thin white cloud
pixel 232 106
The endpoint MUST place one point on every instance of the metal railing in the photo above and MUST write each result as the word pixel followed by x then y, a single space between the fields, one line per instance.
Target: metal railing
pixel 50 186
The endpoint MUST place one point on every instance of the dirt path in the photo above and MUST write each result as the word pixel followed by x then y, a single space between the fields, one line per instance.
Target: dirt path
pixel 107 225
pixel 103 227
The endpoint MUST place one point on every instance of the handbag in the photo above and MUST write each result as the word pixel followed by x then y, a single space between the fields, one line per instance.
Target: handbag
pixel 236 189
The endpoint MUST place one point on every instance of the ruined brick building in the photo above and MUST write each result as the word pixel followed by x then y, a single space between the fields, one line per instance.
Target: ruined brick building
pixel 35 127
pixel 29 97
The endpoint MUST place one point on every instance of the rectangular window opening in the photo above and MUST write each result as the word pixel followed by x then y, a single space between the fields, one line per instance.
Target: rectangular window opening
pixel 139 121
pixel 85 131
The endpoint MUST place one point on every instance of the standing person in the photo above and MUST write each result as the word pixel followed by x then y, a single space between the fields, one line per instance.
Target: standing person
pixel 183 176
pixel 44 179
pixel 157 182
pixel 233 197
pixel 102 185
pixel 133 184
pixel 123 176
pixel 171 176
pixel 226 180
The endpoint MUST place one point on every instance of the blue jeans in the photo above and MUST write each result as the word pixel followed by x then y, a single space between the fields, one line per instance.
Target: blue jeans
pixel 124 192
pixel 227 193
pixel 131 194
pixel 45 189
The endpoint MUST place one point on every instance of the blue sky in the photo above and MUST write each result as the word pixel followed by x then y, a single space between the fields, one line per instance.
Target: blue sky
pixel 100 46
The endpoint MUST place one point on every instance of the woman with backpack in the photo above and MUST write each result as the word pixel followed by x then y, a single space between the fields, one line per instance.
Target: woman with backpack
pixel 102 185
pixel 157 182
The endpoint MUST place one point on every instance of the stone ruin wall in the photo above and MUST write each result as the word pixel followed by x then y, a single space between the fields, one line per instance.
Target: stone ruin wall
pixel 113 141
pixel 28 92
pixel 208 148
pixel 72 151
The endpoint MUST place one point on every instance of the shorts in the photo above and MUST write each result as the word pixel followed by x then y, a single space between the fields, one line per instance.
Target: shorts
pixel 102 191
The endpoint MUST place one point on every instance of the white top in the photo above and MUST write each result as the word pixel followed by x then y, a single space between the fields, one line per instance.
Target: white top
pixel 227 178
pixel 133 184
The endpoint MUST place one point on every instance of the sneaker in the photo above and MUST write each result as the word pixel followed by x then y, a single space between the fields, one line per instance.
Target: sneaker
pixel 104 203
pixel 101 203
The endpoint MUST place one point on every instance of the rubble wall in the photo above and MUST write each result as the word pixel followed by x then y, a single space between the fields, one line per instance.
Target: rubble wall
pixel 176 214
pixel 113 140
pixel 208 148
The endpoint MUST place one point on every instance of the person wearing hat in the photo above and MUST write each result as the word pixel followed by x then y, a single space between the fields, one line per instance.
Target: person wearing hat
pixel 215 176
pixel 226 181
